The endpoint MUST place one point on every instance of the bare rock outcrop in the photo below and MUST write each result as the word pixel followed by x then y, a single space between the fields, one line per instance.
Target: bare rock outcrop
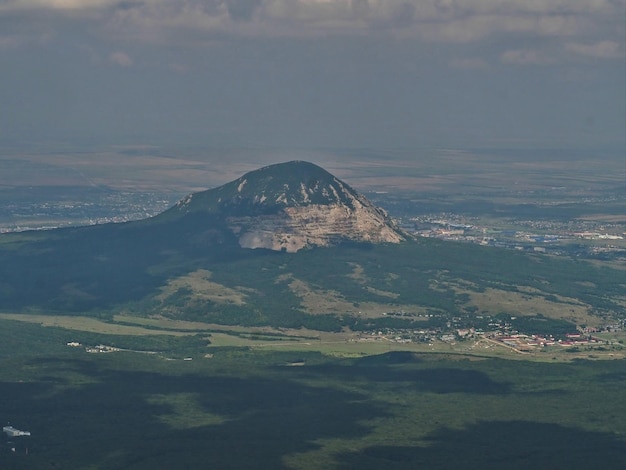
pixel 294 205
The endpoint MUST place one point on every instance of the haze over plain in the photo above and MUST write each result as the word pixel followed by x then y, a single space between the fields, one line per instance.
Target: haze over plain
pixel 313 73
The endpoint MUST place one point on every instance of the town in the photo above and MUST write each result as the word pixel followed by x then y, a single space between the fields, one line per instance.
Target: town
pixel 502 334
pixel 579 238
pixel 576 237
pixel 56 209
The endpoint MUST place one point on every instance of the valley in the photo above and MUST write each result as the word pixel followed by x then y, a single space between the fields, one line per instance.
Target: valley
pixel 165 342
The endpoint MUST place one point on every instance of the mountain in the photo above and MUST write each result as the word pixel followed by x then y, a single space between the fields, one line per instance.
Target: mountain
pixel 290 206
pixel 193 262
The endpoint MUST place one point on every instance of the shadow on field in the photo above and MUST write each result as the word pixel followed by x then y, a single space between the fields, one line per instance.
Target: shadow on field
pixel 498 444
pixel 404 369
pixel 111 419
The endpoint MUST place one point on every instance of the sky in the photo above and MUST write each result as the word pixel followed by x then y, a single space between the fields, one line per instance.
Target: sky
pixel 314 73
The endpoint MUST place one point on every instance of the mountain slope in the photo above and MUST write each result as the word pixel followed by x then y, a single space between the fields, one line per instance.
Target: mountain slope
pixel 188 263
pixel 290 206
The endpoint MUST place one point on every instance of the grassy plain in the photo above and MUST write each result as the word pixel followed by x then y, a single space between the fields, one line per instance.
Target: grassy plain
pixel 335 344
pixel 276 404
pixel 89 324
pixel 198 283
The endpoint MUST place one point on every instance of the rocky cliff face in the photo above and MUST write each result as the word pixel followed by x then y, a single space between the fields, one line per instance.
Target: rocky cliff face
pixel 294 205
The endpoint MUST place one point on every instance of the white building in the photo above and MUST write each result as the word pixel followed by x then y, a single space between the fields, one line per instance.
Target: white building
pixel 12 432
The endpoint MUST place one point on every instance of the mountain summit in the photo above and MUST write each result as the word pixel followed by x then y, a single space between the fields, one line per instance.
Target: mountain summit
pixel 290 206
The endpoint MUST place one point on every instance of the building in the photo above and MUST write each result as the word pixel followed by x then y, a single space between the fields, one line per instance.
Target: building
pixel 12 432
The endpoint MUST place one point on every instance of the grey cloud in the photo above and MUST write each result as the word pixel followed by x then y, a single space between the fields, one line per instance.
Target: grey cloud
pixel 242 9
pixel 525 57
pixel 402 15
pixel 601 49
pixel 440 20
pixel 120 58
pixel 311 72
pixel 360 8
pixel 7 42
pixel 76 5
pixel 469 63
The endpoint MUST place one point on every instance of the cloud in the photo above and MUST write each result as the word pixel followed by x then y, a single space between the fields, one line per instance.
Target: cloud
pixel 120 58
pixel 468 63
pixel 9 42
pixel 475 18
pixel 599 50
pixel 525 57
pixel 243 10
pixel 590 28
pixel 56 4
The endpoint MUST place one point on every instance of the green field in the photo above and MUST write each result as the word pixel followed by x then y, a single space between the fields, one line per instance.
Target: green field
pixel 326 407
